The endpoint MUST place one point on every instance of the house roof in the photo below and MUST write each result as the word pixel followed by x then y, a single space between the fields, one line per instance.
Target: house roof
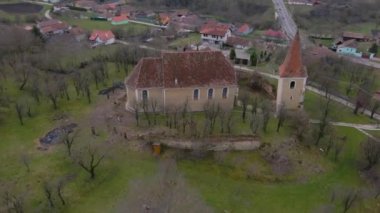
pixel 215 28
pixel 235 41
pixel 103 35
pixel 292 65
pixel 52 25
pixel 244 28
pixel 274 33
pixel 77 31
pixel 183 69
pixel 242 54
pixel 353 35
pixel 120 18
pixel 350 43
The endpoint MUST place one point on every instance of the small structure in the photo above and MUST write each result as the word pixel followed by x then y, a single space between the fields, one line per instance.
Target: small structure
pixel 215 32
pixel 192 79
pixel 244 30
pixel 376 36
pixel 52 27
pixel 99 37
pixel 242 57
pixel 349 48
pixel 238 42
pixel 274 36
pixel 293 76
pixel 119 20
pixel 356 36
pixel 186 23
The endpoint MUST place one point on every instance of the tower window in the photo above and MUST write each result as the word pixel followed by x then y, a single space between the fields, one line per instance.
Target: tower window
pixel 196 94
pixel 210 93
pixel 224 92
pixel 145 95
pixel 292 84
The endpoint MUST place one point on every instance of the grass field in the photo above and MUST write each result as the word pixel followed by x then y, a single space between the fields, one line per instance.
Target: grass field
pixel 193 38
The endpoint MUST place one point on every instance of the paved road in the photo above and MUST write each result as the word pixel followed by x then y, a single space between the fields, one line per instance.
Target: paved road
pixel 47 14
pixel 286 20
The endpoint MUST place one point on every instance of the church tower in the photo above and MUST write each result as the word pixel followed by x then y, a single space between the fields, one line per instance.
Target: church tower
pixel 293 76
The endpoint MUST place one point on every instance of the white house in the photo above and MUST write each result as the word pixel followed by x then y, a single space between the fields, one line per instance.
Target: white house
pixel 216 33
pixel 102 37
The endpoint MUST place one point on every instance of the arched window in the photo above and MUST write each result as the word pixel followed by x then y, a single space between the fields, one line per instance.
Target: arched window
pixel 196 94
pixel 292 84
pixel 145 95
pixel 224 92
pixel 210 93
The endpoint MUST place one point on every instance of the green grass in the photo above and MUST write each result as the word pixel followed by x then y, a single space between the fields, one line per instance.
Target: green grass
pixel 193 38
pixel 314 104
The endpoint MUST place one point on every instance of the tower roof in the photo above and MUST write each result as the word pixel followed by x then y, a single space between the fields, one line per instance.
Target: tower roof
pixel 292 65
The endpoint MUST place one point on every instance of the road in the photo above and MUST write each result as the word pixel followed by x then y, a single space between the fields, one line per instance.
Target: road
pixel 285 18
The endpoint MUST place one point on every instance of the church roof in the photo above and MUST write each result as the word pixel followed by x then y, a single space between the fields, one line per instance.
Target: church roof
pixel 292 65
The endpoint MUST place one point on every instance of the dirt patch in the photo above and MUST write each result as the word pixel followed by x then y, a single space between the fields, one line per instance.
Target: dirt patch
pixel 21 8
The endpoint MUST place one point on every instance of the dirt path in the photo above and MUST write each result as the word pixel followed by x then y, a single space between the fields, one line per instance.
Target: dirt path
pixel 220 146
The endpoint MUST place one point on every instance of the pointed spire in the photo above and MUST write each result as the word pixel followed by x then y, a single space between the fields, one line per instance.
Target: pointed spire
pixel 292 65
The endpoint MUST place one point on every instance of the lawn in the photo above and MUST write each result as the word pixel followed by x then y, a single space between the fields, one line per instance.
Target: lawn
pixel 193 38
pixel 314 104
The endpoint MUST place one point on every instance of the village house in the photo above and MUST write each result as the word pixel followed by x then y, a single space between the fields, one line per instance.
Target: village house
pixel 119 20
pixel 376 36
pixel 293 77
pixel 102 37
pixel 356 36
pixel 242 57
pixel 163 18
pixel 52 27
pixel 349 48
pixel 186 23
pixel 274 36
pixel 216 33
pixel 238 42
pixel 244 30
pixel 176 79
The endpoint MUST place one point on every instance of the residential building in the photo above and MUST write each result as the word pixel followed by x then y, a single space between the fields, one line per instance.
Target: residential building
pixel 244 30
pixel 52 27
pixel 274 36
pixel 292 81
pixel 215 32
pixel 163 18
pixel 356 36
pixel 177 79
pixel 349 48
pixel 242 57
pixel 99 37
pixel 78 33
pixel 238 42
pixel 119 20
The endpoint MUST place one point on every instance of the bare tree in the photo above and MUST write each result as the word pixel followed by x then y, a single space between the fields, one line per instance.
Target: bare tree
pixel 324 122
pixel 68 140
pixel 90 160
pixel 13 203
pixel 244 105
pixel 154 105
pixel 25 159
pixel 266 108
pixel 349 199
pixel 338 147
pixel 374 108
pixel 281 116
pixel 20 108
pixel 371 152
pixel 48 193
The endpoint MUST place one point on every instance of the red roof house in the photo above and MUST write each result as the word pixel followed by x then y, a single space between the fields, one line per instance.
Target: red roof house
pixel 215 32
pixel 52 26
pixel 102 37
pixel 244 29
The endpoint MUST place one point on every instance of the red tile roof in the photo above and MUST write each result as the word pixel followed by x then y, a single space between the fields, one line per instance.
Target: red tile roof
pixel 235 41
pixel 103 35
pixel 353 35
pixel 273 33
pixel 244 28
pixel 184 69
pixel 52 25
pixel 215 28
pixel 120 18
pixel 292 65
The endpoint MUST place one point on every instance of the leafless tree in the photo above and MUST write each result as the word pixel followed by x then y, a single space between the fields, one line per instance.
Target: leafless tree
pixel 20 108
pixel 13 203
pixel 371 152
pixel 375 107
pixel 48 191
pixel 211 112
pixel 25 159
pixel 244 104
pixel 136 109
pixel 68 140
pixel 349 199
pixel 281 116
pixel 324 121
pixel 229 122
pixel 145 107
pixel 90 159
pixel 154 105
pixel 256 122
pixel 299 122
pixel 266 108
